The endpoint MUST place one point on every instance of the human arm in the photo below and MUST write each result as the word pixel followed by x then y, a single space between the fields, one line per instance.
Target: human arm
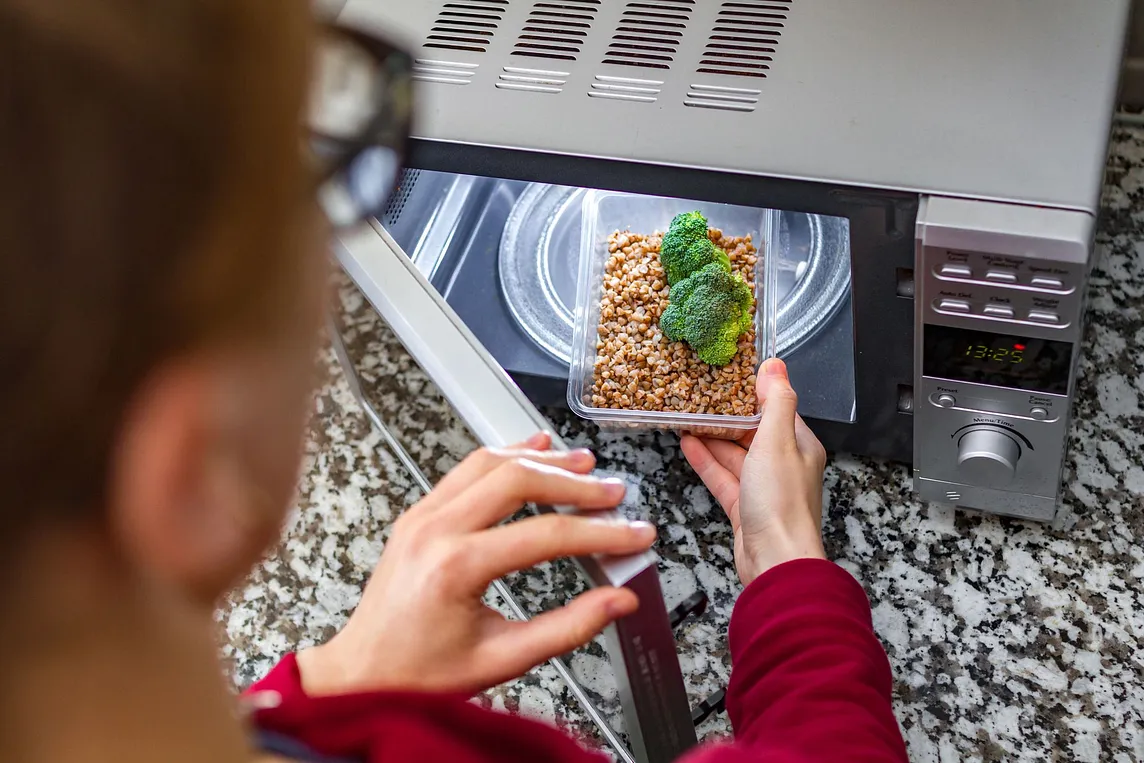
pixel 810 681
pixel 423 602
pixel 394 683
pixel 402 726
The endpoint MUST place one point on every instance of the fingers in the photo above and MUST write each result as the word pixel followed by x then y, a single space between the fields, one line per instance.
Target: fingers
pixel 779 401
pixel 517 481
pixel 718 478
pixel 561 630
pixel 537 441
pixel 481 462
pixel 730 455
pixel 528 542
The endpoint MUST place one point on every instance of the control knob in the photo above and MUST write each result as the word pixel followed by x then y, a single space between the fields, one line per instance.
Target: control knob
pixel 987 456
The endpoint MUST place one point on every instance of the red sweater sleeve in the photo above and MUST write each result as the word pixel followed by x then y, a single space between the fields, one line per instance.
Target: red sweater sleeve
pixel 394 727
pixel 810 682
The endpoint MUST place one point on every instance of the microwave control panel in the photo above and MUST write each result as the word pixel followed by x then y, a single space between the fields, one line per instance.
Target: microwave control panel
pixel 999 309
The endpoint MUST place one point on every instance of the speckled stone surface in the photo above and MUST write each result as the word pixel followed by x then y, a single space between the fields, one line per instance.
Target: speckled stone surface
pixel 1008 640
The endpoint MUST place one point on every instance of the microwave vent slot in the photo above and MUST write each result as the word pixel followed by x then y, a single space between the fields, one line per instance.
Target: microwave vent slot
pixel 399 198
pixel 532 80
pixel 626 89
pixel 443 72
pixel 722 98
pixel 649 33
pixel 466 25
pixel 745 38
pixel 556 29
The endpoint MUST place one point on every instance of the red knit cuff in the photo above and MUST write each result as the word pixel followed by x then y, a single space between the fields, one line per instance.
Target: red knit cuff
pixel 284 681
pixel 791 584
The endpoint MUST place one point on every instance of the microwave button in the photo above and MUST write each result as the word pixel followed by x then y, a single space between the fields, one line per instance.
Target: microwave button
pixel 998 311
pixel 953 305
pixel 1046 282
pixel 1040 414
pixel 945 401
pixel 955 270
pixel 1001 275
pixel 1044 316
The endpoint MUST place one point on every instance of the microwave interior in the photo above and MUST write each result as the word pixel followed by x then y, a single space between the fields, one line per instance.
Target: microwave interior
pixel 505 255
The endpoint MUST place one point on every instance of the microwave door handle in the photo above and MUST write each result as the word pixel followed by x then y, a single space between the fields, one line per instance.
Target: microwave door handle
pixel 642 645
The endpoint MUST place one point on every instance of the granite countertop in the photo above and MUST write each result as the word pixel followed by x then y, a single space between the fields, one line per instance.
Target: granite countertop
pixel 1008 640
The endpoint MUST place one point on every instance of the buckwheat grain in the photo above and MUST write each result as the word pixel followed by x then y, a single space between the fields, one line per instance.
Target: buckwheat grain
pixel 636 367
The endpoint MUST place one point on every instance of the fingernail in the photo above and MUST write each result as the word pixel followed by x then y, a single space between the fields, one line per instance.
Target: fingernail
pixel 615 486
pixel 537 440
pixel 645 530
pixel 774 367
pixel 582 453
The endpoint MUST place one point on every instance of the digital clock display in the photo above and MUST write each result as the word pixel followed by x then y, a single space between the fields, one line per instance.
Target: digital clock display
pixel 1002 360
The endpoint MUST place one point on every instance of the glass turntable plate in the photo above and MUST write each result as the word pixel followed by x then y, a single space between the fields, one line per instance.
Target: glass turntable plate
pixel 539 261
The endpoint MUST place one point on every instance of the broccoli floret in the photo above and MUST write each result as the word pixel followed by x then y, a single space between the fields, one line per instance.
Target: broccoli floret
pixel 685 248
pixel 699 255
pixel 684 230
pixel 709 310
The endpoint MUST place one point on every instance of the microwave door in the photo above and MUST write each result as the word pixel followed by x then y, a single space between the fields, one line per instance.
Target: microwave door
pixel 642 648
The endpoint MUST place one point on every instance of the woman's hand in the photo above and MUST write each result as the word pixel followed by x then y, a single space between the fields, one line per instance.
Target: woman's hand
pixel 769 482
pixel 421 625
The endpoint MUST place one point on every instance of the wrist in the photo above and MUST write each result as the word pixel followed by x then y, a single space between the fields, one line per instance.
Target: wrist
pixel 781 545
pixel 322 672
pixel 342 666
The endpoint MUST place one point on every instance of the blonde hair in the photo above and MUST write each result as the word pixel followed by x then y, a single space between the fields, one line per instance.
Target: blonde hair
pixel 150 155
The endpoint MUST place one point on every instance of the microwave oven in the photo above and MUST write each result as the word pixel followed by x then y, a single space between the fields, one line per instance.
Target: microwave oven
pixel 936 166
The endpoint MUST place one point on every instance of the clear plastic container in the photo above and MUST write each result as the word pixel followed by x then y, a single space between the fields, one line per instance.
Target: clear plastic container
pixel 606 212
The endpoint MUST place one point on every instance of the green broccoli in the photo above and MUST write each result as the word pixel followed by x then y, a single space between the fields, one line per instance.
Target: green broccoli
pixel 709 310
pixel 685 248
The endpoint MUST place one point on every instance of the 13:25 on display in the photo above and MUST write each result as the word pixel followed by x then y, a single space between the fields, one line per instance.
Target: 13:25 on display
pixel 1000 360
pixel 999 354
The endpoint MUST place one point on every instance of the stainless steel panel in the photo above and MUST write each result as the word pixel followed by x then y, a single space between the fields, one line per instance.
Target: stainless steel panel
pixel 939 429
pixel 958 244
pixel 1037 508
pixel 993 99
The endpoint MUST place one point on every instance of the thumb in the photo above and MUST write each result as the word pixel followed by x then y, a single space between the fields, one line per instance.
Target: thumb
pixel 778 400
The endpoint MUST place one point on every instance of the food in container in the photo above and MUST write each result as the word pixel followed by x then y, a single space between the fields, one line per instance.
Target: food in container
pixel 627 373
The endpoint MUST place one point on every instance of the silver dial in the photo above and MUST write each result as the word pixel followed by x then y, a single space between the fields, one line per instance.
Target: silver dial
pixel 987 456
